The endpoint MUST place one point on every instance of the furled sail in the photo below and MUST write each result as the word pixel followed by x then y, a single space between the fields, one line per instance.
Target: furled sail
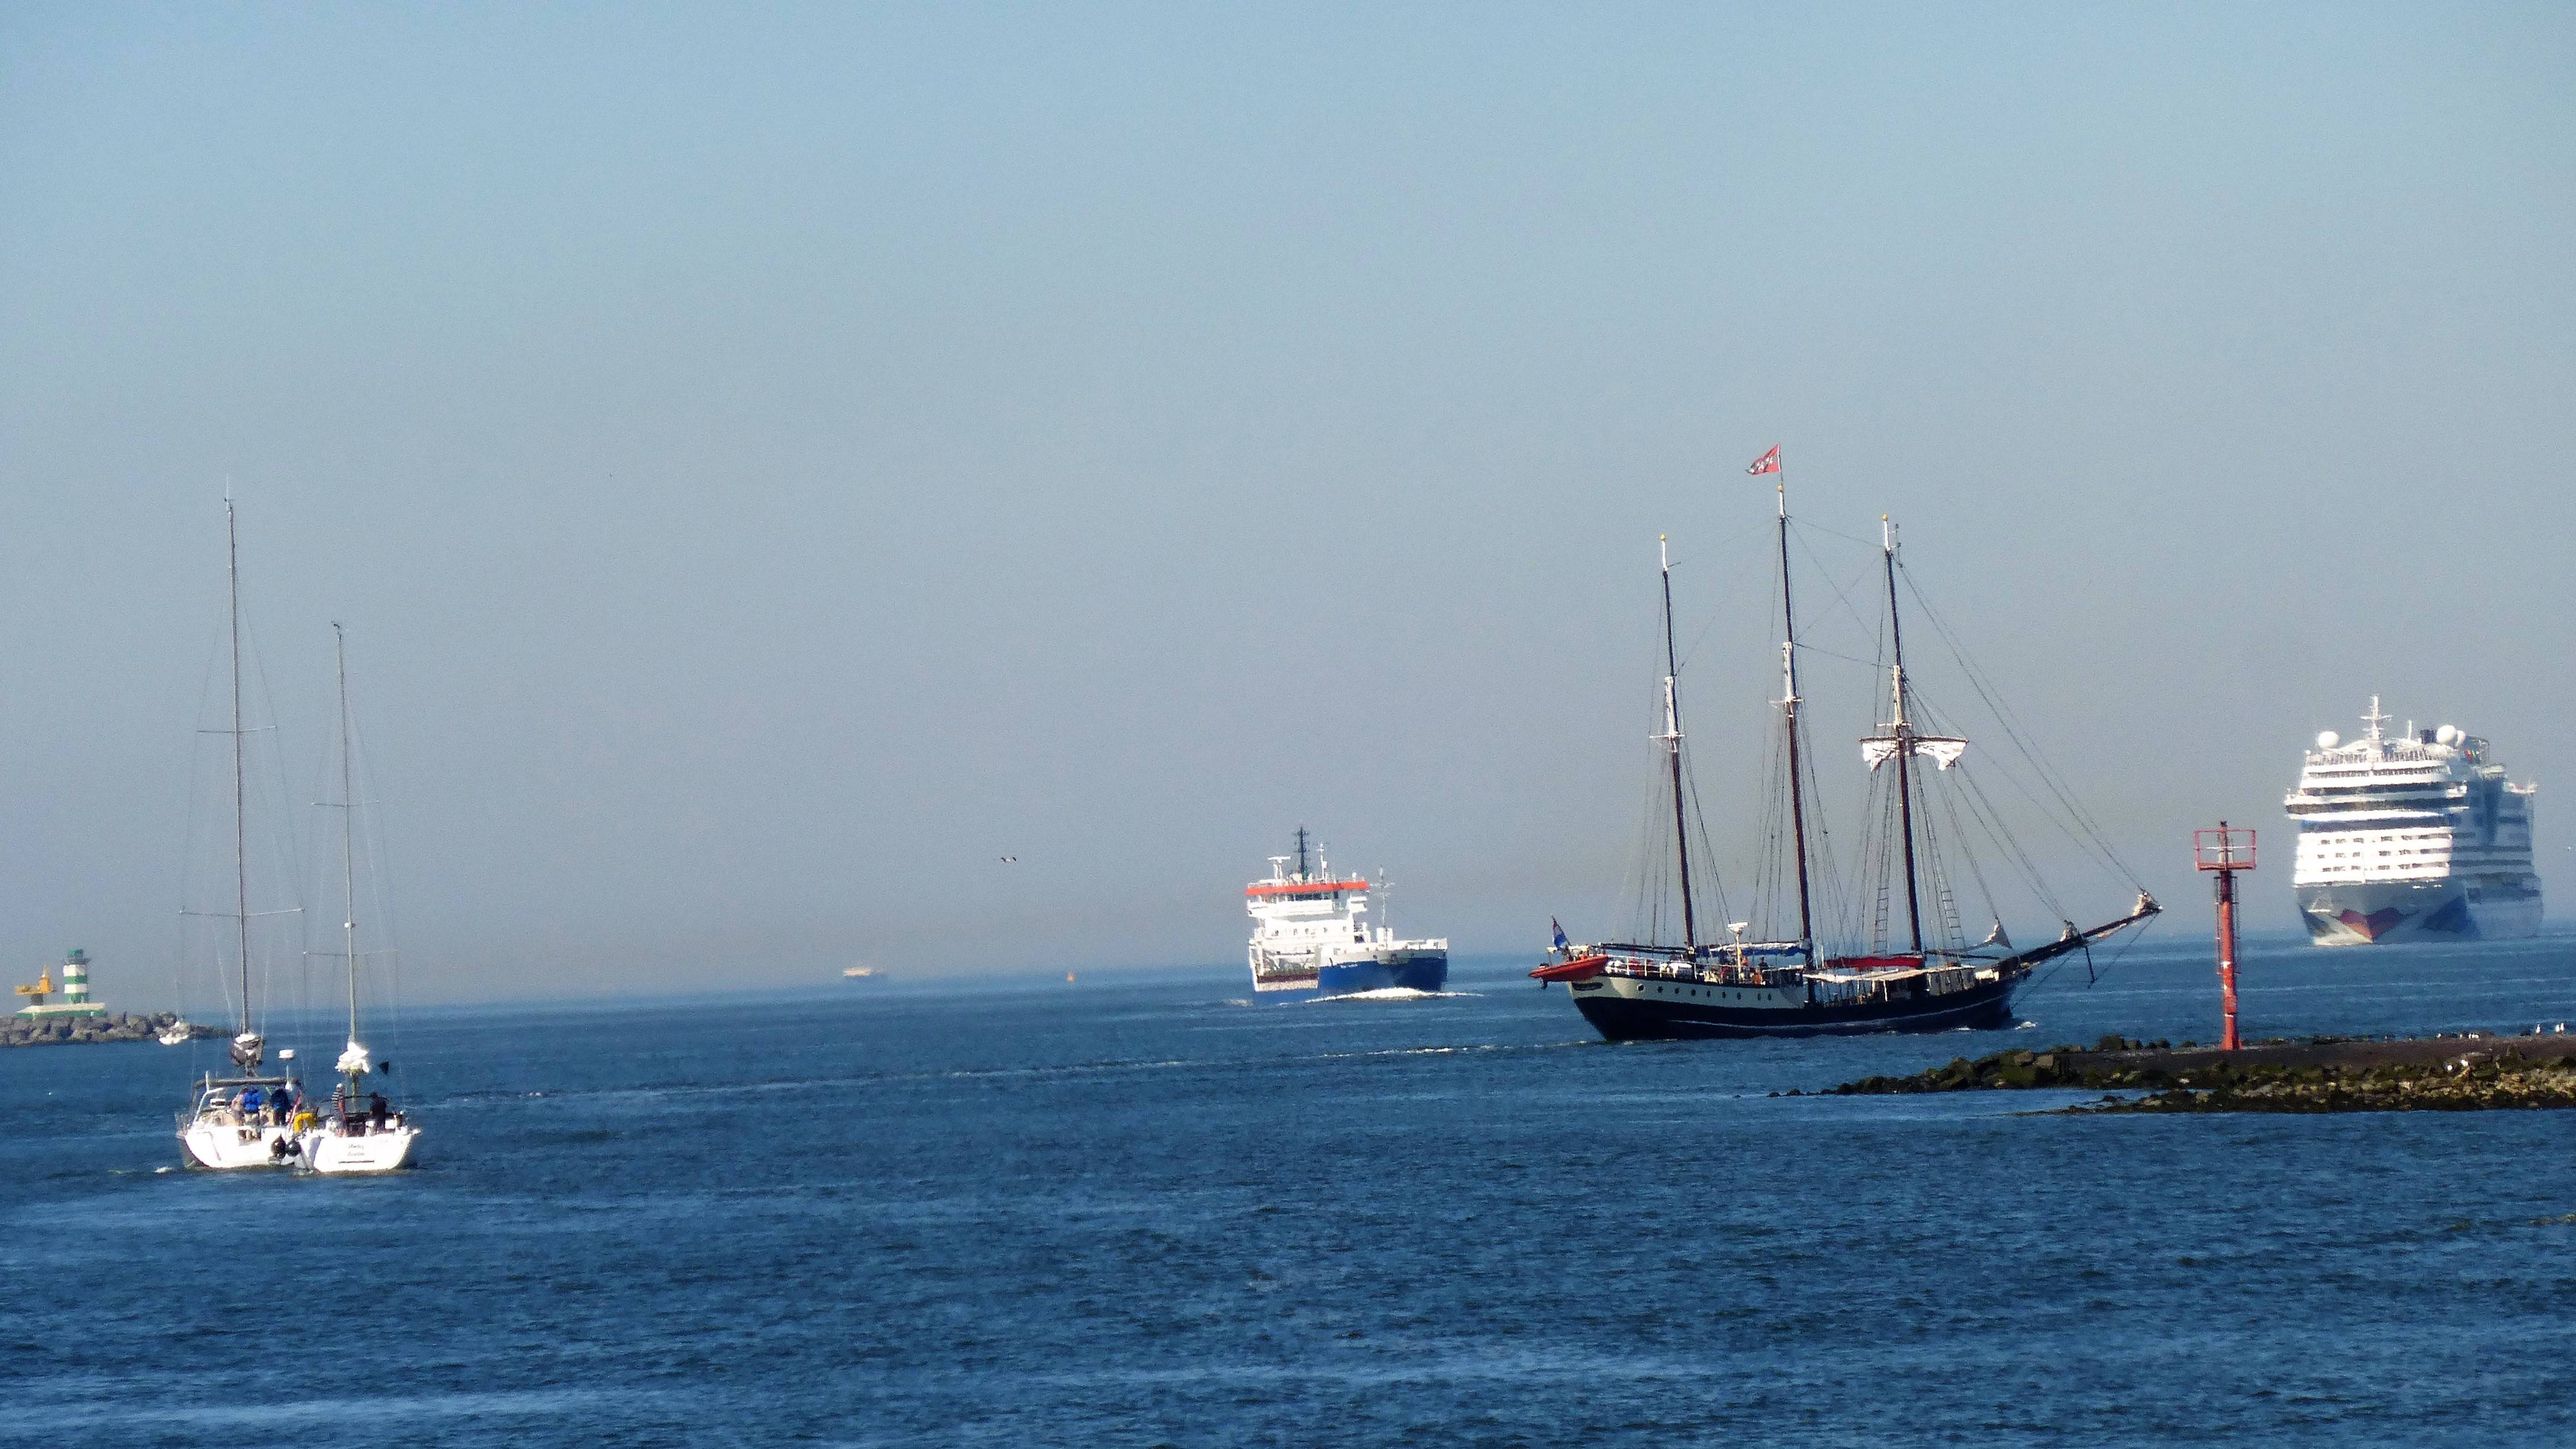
pixel 1877 750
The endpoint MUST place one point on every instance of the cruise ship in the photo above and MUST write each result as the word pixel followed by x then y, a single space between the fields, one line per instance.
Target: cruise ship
pixel 1307 934
pixel 2412 837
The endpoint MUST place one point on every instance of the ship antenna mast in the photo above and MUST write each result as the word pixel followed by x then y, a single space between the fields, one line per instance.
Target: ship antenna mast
pixel 1672 738
pixel 1789 718
pixel 1301 852
pixel 2375 719
pixel 1902 732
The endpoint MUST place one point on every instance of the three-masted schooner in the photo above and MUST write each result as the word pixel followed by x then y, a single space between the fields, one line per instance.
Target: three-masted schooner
pixel 1734 987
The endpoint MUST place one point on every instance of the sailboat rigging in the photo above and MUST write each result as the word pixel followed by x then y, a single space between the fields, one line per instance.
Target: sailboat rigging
pixel 245 1119
pixel 362 1134
pixel 1903 744
pixel 1788 987
pixel 1672 738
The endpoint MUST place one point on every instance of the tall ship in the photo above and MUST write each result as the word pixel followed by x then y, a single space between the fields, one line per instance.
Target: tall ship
pixel 1914 973
pixel 1307 934
pixel 2412 837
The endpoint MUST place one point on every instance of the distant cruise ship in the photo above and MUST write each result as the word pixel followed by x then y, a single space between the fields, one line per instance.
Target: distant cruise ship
pixel 2413 838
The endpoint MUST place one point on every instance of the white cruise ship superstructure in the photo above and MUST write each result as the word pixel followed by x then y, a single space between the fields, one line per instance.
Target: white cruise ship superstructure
pixel 2412 837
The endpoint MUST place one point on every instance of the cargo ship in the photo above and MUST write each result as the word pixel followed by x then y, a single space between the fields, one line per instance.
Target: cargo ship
pixel 1307 934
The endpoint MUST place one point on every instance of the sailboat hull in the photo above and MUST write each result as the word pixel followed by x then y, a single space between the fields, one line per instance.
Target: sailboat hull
pixel 1628 1008
pixel 331 1152
pixel 226 1147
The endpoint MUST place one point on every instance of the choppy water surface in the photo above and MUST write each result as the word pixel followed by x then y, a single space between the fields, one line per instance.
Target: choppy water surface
pixel 1144 1209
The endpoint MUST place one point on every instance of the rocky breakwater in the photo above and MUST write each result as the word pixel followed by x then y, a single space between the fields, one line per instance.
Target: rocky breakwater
pixel 18 1031
pixel 2470 1072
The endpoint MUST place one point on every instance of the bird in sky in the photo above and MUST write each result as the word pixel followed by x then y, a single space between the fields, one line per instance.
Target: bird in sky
pixel 1010 860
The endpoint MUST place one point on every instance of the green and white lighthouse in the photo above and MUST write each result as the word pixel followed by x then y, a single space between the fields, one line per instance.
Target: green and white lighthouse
pixel 74 990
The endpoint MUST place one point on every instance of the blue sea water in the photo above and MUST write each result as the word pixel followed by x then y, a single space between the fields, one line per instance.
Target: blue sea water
pixel 1142 1209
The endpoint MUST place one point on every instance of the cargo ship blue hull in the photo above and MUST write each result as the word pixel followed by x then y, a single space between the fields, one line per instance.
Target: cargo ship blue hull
pixel 1409 971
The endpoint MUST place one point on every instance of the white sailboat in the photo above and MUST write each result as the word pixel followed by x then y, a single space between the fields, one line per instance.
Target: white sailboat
pixel 246 1119
pixel 363 1133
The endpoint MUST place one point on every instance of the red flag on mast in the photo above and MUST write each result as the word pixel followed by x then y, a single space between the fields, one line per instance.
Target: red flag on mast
pixel 1767 463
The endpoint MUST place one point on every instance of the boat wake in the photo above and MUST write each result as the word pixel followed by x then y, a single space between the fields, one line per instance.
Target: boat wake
pixel 1392 993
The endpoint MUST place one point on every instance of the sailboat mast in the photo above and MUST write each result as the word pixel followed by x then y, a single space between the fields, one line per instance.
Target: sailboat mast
pixel 241 829
pixel 1904 734
pixel 1789 717
pixel 348 831
pixel 1673 747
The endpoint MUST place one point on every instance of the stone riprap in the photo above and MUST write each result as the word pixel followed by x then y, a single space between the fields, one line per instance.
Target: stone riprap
pixel 17 1031
pixel 2470 1072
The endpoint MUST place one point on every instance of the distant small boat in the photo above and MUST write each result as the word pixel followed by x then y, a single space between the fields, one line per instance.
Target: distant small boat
pixel 860 973
pixel 176 1033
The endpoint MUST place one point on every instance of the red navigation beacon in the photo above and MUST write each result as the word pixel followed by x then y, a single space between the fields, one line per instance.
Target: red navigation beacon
pixel 2225 851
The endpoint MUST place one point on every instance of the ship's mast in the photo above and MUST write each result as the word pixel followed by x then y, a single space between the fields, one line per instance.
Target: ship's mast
pixel 1789 717
pixel 348 833
pixel 1301 852
pixel 1672 738
pixel 1902 732
pixel 241 829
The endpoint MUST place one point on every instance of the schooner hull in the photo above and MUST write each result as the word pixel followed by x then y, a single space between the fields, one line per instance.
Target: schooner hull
pixel 1648 1009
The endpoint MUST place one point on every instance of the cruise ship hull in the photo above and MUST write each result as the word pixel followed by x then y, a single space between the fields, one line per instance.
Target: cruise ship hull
pixel 1624 1008
pixel 2392 913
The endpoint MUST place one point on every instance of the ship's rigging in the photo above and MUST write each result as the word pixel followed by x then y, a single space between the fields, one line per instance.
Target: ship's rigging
pixel 1897 946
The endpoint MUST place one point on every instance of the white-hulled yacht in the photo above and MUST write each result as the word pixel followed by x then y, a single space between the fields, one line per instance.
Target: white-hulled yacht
pixel 245 1119
pixel 362 1133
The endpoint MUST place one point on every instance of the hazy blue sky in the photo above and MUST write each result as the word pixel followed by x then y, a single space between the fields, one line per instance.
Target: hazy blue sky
pixel 774 461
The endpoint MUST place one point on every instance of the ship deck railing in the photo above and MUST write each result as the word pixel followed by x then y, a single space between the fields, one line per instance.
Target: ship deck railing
pixel 1707 973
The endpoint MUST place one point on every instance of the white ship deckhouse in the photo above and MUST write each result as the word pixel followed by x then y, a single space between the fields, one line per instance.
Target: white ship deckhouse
pixel 2412 837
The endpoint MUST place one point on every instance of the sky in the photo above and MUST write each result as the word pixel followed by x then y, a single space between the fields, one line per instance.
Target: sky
pixel 775 461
